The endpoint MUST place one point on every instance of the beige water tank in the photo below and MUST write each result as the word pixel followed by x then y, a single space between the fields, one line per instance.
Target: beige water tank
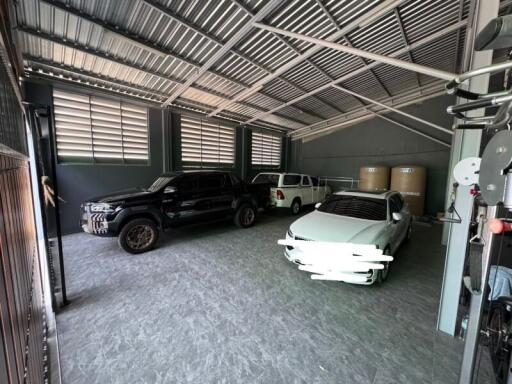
pixel 374 178
pixel 410 181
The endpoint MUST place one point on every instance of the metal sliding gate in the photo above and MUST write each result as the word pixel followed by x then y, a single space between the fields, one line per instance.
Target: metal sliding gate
pixel 23 349
pixel 21 300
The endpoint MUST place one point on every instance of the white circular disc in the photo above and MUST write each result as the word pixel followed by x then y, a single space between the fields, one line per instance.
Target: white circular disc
pixel 466 171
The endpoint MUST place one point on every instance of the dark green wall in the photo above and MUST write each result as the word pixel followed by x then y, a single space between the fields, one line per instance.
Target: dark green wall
pixel 376 141
pixel 79 182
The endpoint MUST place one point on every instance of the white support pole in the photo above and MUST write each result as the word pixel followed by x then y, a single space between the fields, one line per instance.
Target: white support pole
pixel 412 117
pixel 465 143
pixel 443 75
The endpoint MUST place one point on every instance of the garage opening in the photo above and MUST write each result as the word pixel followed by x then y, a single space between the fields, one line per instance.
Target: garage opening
pixel 250 191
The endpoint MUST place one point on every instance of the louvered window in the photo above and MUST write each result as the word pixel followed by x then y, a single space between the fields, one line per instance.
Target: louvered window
pixel 95 128
pixel 266 149
pixel 206 143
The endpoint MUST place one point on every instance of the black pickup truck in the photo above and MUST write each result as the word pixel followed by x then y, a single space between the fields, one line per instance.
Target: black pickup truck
pixel 174 199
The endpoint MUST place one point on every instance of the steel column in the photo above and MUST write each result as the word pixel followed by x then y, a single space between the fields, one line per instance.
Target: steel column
pixel 476 306
pixel 465 144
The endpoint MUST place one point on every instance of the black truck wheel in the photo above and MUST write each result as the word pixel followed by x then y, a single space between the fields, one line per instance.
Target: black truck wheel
pixel 138 236
pixel 245 216
pixel 295 207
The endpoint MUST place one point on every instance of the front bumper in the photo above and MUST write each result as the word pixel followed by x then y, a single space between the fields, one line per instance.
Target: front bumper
pixel 95 223
pixel 293 255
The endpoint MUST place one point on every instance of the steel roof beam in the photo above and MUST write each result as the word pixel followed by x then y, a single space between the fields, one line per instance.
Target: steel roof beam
pixel 352 74
pixel 408 115
pixel 106 56
pixel 53 77
pixel 438 91
pixel 225 48
pixel 180 20
pixel 98 77
pixel 112 58
pixel 369 17
pixel 152 73
pixel 457 40
pixel 136 40
pixel 296 51
pixel 391 101
pixel 113 29
pixel 177 18
pixel 337 26
pixel 432 72
pixel 370 70
pixel 408 128
pixel 405 39
pixel 94 52
pixel 92 75
pixel 172 15
pixel 147 45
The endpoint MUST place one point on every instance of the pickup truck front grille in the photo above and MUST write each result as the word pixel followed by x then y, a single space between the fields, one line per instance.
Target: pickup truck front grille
pixel 302 238
pixel 93 221
pixel 97 220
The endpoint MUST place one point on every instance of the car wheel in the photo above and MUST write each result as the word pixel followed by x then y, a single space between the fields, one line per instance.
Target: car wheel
pixel 295 207
pixel 383 274
pixel 245 216
pixel 138 236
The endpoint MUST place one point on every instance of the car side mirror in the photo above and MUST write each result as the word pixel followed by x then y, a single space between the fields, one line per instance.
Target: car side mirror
pixel 317 205
pixel 170 189
pixel 397 216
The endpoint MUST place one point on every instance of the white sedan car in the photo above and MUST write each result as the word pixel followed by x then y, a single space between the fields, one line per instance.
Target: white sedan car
pixel 380 219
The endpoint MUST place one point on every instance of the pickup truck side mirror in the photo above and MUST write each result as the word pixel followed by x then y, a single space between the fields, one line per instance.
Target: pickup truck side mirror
pixel 170 189
pixel 397 216
pixel 317 205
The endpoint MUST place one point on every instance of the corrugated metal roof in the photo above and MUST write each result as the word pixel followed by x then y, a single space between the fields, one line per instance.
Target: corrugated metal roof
pixel 150 48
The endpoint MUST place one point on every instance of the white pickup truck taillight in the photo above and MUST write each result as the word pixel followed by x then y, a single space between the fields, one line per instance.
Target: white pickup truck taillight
pixel 279 195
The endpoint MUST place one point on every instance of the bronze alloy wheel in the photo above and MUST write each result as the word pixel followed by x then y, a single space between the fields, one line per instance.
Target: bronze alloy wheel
pixel 140 237
pixel 247 216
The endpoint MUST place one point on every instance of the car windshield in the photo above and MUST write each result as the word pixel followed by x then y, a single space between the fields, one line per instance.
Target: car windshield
pixel 159 183
pixel 356 206
pixel 264 178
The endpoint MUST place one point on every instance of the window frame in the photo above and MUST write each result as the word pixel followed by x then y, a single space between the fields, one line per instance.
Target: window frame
pixel 292 175
pixel 305 177
pixel 266 136
pixel 79 160
pixel 190 164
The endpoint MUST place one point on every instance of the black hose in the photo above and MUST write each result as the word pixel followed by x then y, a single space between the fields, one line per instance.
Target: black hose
pixel 477 104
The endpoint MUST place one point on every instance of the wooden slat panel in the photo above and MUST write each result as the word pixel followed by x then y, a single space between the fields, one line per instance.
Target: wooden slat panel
pixel 21 299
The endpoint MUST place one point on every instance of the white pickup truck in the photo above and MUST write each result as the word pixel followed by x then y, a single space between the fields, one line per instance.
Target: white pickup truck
pixel 293 190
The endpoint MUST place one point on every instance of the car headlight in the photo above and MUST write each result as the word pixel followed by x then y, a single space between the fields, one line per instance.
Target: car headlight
pixel 103 207
pixel 290 233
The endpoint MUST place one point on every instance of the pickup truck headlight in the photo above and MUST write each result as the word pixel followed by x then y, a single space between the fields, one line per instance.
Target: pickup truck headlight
pixel 102 207
pixel 290 233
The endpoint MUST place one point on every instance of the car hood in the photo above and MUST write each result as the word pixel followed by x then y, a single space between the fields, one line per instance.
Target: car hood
pixel 125 195
pixel 321 226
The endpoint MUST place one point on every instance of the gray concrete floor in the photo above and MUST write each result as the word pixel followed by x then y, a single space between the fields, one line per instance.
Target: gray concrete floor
pixel 217 304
